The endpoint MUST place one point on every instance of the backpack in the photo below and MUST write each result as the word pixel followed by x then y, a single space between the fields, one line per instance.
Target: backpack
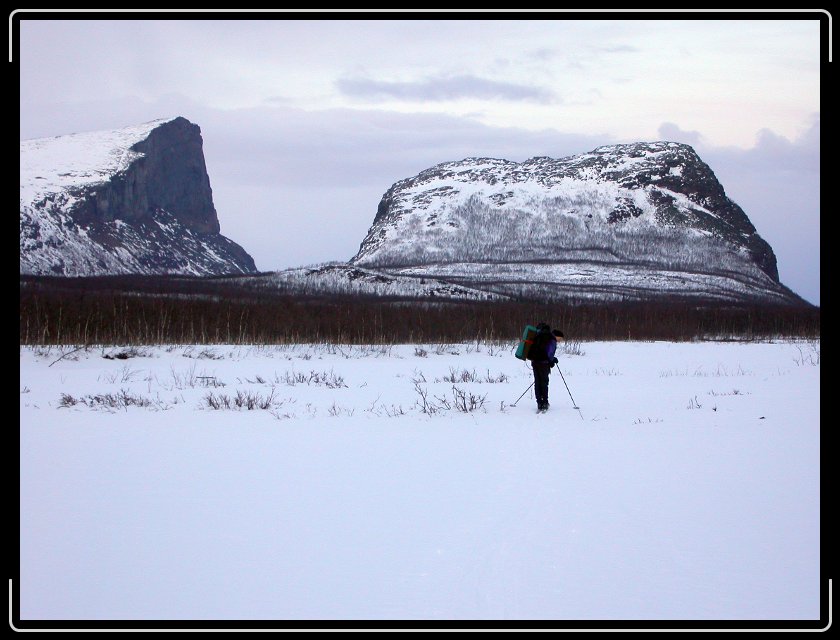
pixel 525 343
pixel 537 352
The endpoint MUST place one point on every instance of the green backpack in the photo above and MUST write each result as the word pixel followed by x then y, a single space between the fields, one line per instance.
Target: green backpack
pixel 524 347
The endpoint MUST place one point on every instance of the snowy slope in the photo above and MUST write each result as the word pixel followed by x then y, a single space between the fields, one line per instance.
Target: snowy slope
pixel 132 200
pixel 631 217
pixel 331 279
pixel 308 483
pixel 65 164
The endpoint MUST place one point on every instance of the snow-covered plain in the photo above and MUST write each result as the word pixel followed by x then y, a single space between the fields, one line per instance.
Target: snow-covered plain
pixel 685 488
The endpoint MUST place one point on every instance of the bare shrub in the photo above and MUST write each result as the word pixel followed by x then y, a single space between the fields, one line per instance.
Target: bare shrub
pixel 242 401
pixel 126 353
pixel 328 379
pixel 111 401
pixel 465 375
pixel 460 400
pixel 808 355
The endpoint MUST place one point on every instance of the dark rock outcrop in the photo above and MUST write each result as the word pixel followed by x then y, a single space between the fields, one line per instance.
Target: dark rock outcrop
pixel 141 205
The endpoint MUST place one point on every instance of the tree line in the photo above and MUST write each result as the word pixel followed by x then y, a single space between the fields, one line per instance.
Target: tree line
pixel 138 310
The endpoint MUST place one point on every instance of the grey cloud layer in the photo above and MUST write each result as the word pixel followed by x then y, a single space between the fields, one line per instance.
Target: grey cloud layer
pixel 442 89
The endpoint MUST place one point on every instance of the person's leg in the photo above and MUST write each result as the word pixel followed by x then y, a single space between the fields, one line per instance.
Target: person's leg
pixel 541 384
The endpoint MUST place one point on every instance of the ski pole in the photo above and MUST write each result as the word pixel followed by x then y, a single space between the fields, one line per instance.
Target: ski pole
pixel 570 393
pixel 523 393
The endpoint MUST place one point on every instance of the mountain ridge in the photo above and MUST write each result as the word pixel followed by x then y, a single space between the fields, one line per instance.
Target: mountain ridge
pixel 641 220
pixel 626 222
pixel 628 180
pixel 131 200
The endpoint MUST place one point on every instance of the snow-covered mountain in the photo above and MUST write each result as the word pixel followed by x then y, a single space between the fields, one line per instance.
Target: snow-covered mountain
pixel 132 200
pixel 632 221
pixel 625 222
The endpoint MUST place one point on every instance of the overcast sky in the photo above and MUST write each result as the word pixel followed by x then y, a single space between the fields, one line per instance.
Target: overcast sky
pixel 306 123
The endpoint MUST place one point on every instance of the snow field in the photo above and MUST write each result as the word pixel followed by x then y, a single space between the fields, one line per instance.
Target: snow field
pixel 687 488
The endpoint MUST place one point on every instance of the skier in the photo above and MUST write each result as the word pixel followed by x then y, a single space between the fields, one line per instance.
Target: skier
pixel 543 360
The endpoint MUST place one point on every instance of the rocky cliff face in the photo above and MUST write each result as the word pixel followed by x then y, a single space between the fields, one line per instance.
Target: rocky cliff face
pixel 635 221
pixel 135 200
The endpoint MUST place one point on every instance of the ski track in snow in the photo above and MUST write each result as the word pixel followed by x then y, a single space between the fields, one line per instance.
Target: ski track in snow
pixel 688 491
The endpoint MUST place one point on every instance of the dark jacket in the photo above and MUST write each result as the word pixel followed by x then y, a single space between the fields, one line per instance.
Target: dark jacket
pixel 551 349
pixel 545 355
